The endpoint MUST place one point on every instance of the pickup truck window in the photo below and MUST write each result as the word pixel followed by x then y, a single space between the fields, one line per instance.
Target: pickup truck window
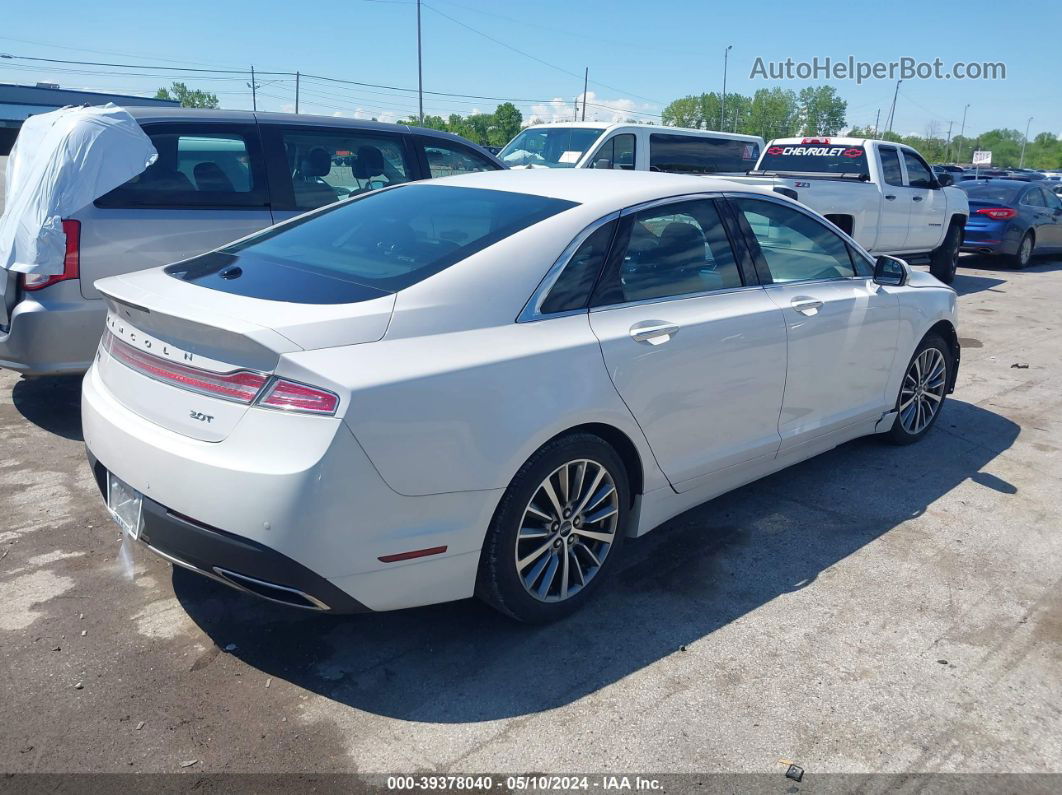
pixel 918 173
pixel 890 166
pixel 794 246
pixel 821 159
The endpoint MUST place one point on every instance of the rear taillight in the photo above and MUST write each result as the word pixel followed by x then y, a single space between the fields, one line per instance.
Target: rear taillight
pixel 998 213
pixel 71 261
pixel 239 386
pixel 291 396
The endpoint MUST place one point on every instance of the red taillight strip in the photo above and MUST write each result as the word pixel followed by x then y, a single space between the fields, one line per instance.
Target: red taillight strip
pixel 997 213
pixel 238 386
pixel 71 261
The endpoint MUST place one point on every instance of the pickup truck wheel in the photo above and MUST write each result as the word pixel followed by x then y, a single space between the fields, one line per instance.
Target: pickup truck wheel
pixel 1025 250
pixel 944 261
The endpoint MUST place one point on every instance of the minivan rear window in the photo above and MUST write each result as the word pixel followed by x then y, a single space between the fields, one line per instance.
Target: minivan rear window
pixel 362 248
pixel 701 154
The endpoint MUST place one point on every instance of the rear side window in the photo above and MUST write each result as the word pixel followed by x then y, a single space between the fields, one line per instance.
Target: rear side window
pixel 573 286
pixel 1032 198
pixel 196 167
pixel 325 166
pixel 698 154
pixel 446 159
pixel 381 243
pixel 890 166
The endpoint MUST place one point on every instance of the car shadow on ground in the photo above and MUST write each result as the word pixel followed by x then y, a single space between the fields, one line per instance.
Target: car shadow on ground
pixel 52 403
pixel 704 569
pixel 966 283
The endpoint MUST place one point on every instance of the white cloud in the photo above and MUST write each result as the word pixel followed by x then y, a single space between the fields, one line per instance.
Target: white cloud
pixel 598 109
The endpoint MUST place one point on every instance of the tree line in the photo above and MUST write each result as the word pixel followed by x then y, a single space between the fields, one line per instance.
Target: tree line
pixel 769 113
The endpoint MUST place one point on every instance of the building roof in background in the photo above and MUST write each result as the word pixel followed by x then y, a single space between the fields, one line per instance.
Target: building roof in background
pixel 18 102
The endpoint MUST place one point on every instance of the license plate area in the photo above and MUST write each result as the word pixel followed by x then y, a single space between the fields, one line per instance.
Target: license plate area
pixel 126 506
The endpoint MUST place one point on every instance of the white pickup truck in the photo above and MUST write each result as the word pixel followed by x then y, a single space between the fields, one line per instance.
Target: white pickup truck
pixel 881 193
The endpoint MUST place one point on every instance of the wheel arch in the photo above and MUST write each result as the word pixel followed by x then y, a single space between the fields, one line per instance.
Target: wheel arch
pixel 620 442
pixel 946 331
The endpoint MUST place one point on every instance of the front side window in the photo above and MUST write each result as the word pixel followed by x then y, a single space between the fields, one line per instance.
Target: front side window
pixel 573 286
pixel 672 250
pixel 918 173
pixel 380 243
pixel 701 154
pixel 328 166
pixel 549 147
pixel 795 247
pixel 195 168
pixel 616 152
pixel 446 159
pixel 890 166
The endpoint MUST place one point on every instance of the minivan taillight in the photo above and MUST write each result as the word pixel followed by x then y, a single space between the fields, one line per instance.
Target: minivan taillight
pixel 71 261
pixel 997 213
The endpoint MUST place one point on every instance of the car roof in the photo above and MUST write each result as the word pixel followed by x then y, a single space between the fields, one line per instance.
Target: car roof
pixel 301 119
pixel 629 125
pixel 995 182
pixel 615 188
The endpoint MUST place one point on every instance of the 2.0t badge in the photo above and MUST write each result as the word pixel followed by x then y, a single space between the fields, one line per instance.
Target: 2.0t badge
pixel 198 415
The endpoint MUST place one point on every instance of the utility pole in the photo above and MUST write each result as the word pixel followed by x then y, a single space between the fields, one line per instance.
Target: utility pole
pixel 296 92
pixel 947 146
pixel 1025 140
pixel 722 99
pixel 586 79
pixel 962 129
pixel 576 118
pixel 420 71
pixel 877 118
pixel 892 110
pixel 254 91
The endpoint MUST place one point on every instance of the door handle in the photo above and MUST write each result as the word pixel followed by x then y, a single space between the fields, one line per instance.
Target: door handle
pixel 890 196
pixel 806 306
pixel 655 332
pixel 917 198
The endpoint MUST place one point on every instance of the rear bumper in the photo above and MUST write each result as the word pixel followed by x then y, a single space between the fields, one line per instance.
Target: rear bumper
pixel 237 562
pixel 52 332
pixel 1001 238
pixel 291 501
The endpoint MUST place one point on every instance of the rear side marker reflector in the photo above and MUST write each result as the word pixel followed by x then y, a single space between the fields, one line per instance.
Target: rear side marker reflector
pixel 237 386
pixel 417 553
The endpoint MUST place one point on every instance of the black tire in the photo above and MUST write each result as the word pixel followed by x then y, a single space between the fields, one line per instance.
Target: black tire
pixel 944 261
pixel 499 583
pixel 1025 251
pixel 899 434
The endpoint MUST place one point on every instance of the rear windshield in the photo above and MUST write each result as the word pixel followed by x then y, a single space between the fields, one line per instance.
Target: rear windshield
pixel 701 154
pixel 991 191
pixel 815 159
pixel 366 247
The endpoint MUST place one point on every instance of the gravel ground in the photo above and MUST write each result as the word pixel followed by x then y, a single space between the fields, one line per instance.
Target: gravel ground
pixel 876 609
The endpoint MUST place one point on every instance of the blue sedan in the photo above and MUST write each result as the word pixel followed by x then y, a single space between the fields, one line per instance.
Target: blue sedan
pixel 1012 219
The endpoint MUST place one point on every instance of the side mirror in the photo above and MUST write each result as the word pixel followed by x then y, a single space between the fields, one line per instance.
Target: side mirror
pixel 602 162
pixel 891 271
pixel 945 179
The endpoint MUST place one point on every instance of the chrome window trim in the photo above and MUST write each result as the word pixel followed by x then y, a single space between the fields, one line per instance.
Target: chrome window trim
pixel 677 297
pixel 532 310
pixel 648 205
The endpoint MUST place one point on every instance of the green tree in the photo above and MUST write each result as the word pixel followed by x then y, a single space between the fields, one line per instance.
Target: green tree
pixel 507 121
pixel 187 97
pixel 821 110
pixel 773 113
pixel 684 112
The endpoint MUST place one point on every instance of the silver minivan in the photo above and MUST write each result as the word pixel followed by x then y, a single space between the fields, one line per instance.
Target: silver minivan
pixel 220 175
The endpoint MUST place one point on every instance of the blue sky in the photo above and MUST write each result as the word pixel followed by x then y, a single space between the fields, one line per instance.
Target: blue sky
pixel 640 54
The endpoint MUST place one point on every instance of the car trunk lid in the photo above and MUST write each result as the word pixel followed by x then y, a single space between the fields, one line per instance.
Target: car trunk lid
pixel 193 360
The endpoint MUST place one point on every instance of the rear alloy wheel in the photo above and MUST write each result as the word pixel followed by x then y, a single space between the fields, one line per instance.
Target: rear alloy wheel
pixel 944 261
pixel 1025 250
pixel 556 530
pixel 922 392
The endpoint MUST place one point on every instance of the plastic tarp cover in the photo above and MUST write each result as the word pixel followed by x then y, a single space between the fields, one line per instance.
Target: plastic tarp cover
pixel 61 162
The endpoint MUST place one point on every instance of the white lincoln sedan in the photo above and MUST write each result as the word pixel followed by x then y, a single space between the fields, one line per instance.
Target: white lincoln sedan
pixel 482 384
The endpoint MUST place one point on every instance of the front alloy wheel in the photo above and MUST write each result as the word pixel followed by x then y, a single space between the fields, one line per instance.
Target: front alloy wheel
pixel 922 392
